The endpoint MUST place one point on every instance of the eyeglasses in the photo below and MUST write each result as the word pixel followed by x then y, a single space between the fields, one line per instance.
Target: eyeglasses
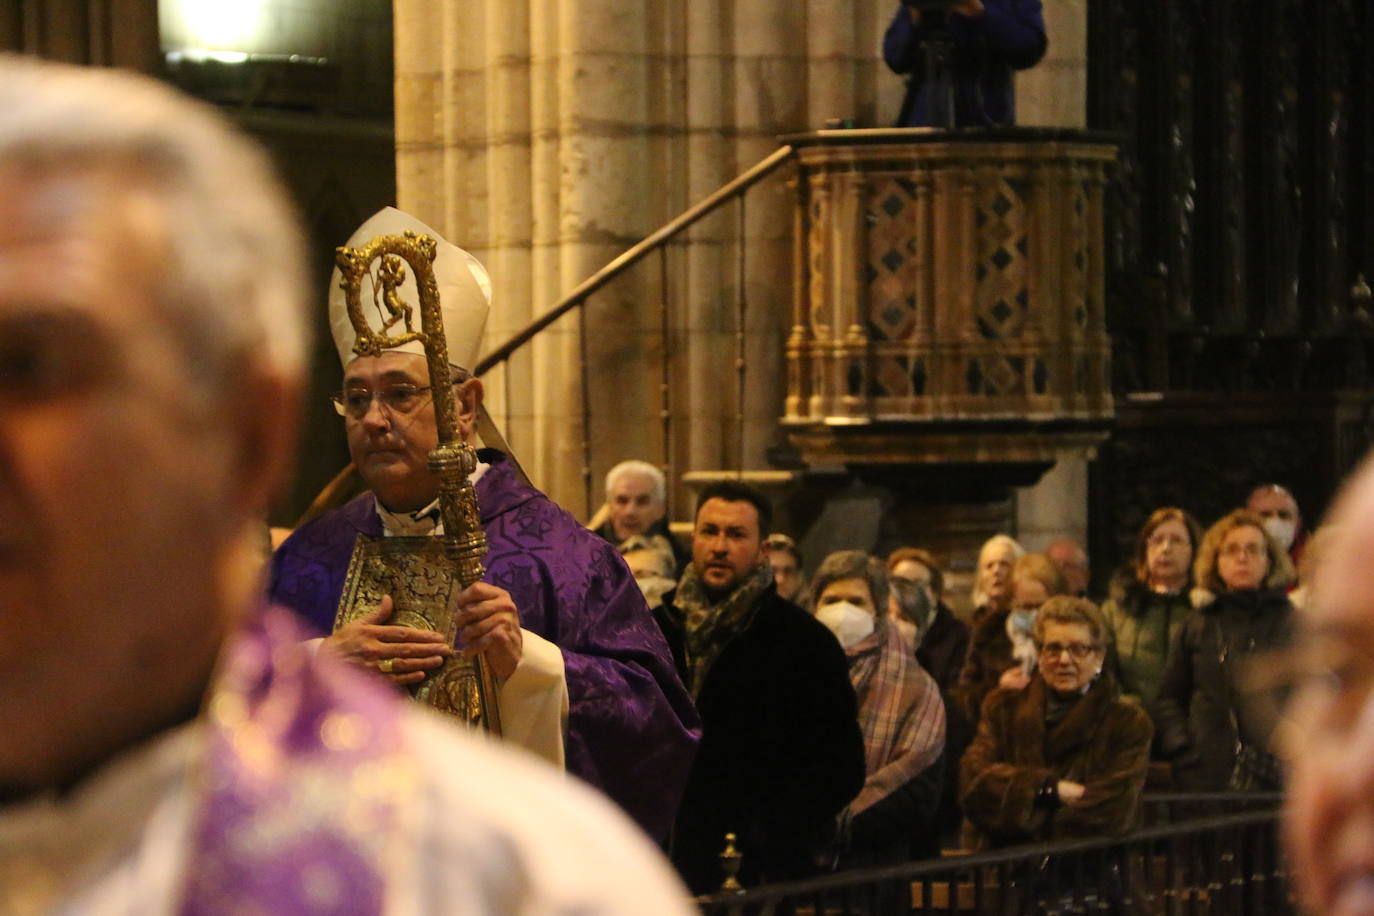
pixel 397 399
pixel 1249 550
pixel 1077 650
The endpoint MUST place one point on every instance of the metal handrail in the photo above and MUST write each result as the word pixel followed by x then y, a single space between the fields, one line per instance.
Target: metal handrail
pixel 657 242
pixel 1233 799
pixel 943 867
pixel 634 255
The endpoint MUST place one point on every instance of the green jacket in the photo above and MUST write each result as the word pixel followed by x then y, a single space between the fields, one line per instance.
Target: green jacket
pixel 1143 625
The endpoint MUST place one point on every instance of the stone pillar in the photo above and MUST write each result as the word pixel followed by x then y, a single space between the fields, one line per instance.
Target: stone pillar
pixel 547 136
pixel 1057 506
pixel 1054 93
pixel 114 33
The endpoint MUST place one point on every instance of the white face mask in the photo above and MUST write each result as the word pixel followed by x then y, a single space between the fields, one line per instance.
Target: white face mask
pixel 850 623
pixel 1281 530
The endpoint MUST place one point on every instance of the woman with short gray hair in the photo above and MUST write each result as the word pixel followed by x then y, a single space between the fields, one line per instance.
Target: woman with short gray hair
pixel 900 713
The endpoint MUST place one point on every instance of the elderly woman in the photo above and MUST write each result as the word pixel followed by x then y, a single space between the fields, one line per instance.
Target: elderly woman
pixel 944 639
pixel 1066 756
pixel 1029 580
pixel 992 580
pixel 1035 579
pixel 785 559
pixel 909 609
pixel 1149 601
pixel 900 713
pixel 1215 731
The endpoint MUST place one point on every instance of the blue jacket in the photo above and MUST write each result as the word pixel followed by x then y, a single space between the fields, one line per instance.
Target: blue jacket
pixel 1010 35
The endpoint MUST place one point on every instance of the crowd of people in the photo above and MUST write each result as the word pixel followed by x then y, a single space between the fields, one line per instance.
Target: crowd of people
pixel 1045 716
pixel 183 736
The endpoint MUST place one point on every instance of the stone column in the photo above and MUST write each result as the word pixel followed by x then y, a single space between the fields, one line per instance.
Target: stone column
pixel 546 136
pixel 115 33
pixel 1054 94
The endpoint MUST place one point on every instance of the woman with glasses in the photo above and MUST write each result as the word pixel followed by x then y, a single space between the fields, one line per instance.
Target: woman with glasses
pixel 1215 730
pixel 1066 756
pixel 1149 601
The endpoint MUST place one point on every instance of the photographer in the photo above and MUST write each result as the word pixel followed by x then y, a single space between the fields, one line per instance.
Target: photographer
pixel 960 54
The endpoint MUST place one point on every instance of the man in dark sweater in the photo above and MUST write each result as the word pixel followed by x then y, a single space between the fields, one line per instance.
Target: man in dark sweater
pixel 781 753
pixel 987 40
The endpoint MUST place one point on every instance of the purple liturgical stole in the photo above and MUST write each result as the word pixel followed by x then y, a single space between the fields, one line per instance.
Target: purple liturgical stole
pixel 300 787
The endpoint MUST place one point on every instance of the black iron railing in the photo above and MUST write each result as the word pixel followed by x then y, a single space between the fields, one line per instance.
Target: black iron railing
pixel 1224 865
pixel 1172 807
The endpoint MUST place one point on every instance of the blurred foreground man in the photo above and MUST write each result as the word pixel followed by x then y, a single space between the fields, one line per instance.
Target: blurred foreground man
pixel 1329 729
pixel 170 745
pixel 781 752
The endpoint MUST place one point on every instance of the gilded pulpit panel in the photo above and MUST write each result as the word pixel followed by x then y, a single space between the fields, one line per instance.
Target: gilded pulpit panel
pixel 951 279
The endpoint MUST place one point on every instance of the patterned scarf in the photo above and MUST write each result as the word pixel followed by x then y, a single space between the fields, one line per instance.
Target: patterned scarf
pixel 900 712
pixel 711 625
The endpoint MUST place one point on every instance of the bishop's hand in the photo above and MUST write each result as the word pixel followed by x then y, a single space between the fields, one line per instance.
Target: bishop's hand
pixel 488 622
pixel 403 654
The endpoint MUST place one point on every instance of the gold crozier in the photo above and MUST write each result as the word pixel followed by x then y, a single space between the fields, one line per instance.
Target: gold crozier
pixel 421 573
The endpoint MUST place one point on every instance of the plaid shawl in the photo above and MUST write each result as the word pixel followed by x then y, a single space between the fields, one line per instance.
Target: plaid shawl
pixel 900 712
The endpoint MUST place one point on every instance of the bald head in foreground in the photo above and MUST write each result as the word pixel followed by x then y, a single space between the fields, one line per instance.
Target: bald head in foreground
pixel 169 746
pixel 1329 815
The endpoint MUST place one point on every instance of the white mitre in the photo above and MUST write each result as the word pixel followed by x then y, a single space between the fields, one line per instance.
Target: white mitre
pixel 464 292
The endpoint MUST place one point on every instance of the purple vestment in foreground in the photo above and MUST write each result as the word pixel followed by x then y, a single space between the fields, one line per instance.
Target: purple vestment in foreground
pixel 632 729
pixel 291 816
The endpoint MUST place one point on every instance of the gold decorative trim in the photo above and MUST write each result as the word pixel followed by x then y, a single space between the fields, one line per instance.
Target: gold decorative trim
pixel 421 574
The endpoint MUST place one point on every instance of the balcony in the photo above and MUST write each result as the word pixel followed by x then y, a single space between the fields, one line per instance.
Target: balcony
pixel 948 306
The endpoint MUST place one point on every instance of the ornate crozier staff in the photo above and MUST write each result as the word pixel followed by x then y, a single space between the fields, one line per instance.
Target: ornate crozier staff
pixel 421 573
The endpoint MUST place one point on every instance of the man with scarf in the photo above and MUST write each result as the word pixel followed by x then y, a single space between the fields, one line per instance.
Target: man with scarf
pixel 781 753
pixel 171 746
pixel 900 712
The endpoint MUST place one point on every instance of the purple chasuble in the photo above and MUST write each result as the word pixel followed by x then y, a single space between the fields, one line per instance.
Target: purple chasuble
pixel 632 728
pixel 302 790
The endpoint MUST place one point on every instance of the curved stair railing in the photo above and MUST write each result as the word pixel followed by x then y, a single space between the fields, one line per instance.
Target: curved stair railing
pixel 656 243
pixel 345 484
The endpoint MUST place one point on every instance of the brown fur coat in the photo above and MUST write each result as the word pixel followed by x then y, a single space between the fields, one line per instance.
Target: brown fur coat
pixel 987 658
pixel 1103 742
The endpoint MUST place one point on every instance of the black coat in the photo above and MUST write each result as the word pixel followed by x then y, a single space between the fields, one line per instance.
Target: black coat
pixel 781 753
pixel 1204 705
pixel 943 647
